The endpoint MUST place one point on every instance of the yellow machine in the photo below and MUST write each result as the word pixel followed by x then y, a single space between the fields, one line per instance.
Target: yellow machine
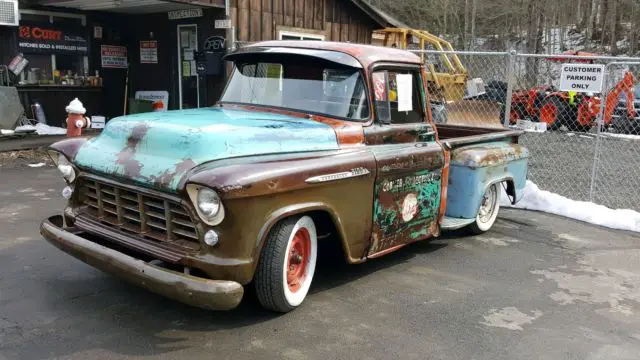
pixel 449 85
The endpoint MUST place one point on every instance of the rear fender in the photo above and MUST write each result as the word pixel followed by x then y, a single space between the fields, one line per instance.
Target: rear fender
pixel 475 168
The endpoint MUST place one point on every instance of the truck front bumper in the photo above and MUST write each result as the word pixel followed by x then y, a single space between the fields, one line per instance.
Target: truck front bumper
pixel 191 290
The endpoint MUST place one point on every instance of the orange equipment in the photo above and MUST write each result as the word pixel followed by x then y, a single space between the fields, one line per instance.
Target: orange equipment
pixel 576 111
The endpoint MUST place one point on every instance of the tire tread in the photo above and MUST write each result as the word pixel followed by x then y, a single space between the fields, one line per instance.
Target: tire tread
pixel 267 285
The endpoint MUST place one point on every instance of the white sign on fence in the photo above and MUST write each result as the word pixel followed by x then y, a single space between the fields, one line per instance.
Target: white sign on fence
pixel 582 78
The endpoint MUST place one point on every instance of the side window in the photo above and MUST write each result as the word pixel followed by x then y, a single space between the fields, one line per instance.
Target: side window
pixel 398 96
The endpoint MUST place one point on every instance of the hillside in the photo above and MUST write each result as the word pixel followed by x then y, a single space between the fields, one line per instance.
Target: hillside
pixel 534 26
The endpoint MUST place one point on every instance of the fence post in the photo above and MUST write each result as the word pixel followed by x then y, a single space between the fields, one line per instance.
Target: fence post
pixel 599 125
pixel 511 64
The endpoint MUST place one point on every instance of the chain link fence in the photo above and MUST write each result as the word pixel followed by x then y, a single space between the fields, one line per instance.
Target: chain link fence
pixel 585 145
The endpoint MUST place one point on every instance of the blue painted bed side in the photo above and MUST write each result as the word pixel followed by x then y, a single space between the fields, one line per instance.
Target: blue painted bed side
pixel 468 182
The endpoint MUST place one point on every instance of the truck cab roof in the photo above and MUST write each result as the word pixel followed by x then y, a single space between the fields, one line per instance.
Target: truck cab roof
pixel 364 55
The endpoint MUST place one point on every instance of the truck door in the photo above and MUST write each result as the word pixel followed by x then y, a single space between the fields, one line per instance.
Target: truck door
pixel 409 161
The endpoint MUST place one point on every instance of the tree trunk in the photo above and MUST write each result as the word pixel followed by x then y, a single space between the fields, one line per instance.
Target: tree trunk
pixel 634 26
pixel 474 14
pixel 595 9
pixel 561 26
pixel 613 18
pixel 602 24
pixel 444 14
pixel 466 22
pixel 586 18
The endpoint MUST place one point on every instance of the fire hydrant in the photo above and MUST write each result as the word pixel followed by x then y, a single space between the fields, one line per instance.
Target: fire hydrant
pixel 76 121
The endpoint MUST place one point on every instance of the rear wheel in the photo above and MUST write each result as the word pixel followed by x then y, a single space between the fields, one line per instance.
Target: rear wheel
pixel 555 112
pixel 488 211
pixel 287 264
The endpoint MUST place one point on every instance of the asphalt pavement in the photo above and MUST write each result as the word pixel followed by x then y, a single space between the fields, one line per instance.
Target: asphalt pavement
pixel 536 287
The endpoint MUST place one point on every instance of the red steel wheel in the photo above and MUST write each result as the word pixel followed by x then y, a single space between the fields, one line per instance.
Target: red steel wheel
pixel 298 260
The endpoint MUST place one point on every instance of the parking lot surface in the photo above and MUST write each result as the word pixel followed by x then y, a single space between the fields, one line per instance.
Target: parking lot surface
pixel 536 287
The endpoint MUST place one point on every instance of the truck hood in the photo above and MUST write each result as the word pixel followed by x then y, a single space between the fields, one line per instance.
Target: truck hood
pixel 157 149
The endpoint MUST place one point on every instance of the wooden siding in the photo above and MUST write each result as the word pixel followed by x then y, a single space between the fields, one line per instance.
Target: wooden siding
pixel 337 20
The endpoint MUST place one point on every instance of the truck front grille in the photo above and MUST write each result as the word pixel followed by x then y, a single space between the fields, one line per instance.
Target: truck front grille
pixel 150 217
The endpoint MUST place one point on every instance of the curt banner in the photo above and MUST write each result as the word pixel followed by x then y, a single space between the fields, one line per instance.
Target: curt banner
pixel 52 39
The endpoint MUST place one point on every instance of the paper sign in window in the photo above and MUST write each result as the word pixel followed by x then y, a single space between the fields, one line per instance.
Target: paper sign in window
pixel 380 86
pixel 405 92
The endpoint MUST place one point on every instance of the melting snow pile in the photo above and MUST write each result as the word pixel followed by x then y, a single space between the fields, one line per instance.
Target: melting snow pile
pixel 545 201
pixel 42 129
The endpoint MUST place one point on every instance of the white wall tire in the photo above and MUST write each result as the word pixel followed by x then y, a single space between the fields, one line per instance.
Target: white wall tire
pixel 488 211
pixel 287 264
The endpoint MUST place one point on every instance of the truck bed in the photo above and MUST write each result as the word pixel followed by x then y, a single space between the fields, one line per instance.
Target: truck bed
pixel 480 157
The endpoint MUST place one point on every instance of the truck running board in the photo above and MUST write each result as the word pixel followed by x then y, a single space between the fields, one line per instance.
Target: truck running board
pixel 450 223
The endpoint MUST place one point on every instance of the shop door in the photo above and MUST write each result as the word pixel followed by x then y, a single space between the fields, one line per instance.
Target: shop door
pixel 189 83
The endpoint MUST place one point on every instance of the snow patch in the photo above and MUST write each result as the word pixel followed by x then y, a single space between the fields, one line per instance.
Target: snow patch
pixel 623 136
pixel 42 129
pixel 541 200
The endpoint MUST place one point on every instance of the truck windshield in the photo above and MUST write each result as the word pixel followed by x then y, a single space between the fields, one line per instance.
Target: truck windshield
pixel 322 88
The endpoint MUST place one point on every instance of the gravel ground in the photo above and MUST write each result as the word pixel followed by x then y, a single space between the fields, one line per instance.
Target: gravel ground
pixel 24 158
pixel 563 163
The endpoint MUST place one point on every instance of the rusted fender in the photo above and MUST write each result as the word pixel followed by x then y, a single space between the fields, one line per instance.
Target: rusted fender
pixel 258 192
pixel 488 154
pixel 191 290
pixel 270 175
pixel 476 167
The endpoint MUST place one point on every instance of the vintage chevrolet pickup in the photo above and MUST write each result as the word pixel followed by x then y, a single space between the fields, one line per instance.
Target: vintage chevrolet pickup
pixel 313 145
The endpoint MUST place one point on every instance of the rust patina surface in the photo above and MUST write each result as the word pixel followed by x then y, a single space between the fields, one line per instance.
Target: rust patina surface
pixel 371 186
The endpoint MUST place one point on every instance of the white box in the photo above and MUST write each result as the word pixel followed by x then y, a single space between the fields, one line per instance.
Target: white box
pixel 527 125
pixel 98 122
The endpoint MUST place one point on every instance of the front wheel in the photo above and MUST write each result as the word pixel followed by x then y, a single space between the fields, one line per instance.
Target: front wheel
pixel 287 264
pixel 488 211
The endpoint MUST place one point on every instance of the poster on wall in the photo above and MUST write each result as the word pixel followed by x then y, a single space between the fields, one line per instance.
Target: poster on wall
pixel 149 52
pixel 52 39
pixel 114 57
pixel 159 98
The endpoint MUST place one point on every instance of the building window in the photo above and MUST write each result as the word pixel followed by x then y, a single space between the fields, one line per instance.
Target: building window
pixel 44 64
pixel 290 35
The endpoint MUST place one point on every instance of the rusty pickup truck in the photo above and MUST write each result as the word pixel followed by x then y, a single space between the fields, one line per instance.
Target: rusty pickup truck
pixel 312 146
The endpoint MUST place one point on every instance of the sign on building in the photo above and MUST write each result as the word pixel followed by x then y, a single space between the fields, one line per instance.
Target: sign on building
pixel 223 24
pixel 149 52
pixel 185 14
pixel 582 78
pixel 157 97
pixel 52 39
pixel 114 57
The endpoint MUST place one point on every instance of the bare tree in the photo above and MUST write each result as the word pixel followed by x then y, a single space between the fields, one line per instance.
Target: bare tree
pixel 531 25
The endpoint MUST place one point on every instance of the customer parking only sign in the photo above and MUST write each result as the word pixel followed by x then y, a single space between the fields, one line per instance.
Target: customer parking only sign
pixel 582 78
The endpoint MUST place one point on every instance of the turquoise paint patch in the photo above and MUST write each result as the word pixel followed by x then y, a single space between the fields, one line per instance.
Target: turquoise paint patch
pixel 390 197
pixel 157 149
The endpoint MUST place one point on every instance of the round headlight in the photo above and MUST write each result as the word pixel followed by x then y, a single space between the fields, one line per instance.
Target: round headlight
pixel 209 203
pixel 65 167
